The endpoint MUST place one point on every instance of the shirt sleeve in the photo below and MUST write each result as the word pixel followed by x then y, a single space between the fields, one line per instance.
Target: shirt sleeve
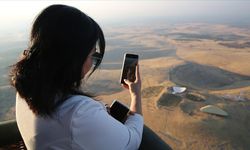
pixel 93 128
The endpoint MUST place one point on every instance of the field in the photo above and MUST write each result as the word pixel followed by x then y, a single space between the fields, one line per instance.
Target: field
pixel 211 60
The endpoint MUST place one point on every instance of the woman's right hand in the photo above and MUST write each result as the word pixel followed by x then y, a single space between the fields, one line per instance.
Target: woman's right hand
pixel 135 92
pixel 134 87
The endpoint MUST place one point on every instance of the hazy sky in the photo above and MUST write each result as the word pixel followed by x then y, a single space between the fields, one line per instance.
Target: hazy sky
pixel 16 16
pixel 18 12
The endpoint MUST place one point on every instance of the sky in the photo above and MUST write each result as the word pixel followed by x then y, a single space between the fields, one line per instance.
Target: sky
pixel 16 17
pixel 18 12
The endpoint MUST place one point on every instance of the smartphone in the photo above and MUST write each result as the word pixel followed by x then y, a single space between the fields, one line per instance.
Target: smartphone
pixel 128 68
pixel 119 111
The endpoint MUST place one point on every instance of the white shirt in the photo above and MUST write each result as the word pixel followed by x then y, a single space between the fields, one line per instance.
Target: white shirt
pixel 80 123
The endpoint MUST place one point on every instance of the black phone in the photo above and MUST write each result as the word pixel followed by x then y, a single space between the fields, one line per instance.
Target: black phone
pixel 119 111
pixel 128 68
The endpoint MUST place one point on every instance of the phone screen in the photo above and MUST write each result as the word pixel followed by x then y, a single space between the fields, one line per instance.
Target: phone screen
pixel 119 111
pixel 129 65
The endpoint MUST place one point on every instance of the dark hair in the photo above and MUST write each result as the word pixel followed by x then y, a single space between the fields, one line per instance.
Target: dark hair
pixel 61 39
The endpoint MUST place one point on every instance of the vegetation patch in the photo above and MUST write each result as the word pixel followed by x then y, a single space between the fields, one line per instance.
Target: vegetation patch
pixel 195 97
pixel 151 91
pixel 168 99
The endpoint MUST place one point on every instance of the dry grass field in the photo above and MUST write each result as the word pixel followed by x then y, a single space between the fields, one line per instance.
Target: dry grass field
pixel 214 74
pixel 211 60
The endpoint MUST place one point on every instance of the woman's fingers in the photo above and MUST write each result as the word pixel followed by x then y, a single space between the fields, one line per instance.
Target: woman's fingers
pixel 137 73
pixel 127 81
pixel 131 85
pixel 125 86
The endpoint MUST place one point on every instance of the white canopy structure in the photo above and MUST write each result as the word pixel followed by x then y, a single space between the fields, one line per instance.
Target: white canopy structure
pixel 178 89
pixel 213 110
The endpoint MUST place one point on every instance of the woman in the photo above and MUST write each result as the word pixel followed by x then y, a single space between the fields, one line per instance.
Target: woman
pixel 51 110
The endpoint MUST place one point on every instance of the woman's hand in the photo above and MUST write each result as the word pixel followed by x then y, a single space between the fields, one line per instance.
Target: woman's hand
pixel 134 87
pixel 135 92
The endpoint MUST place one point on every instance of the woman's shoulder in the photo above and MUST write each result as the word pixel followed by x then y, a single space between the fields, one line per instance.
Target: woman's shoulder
pixel 78 104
